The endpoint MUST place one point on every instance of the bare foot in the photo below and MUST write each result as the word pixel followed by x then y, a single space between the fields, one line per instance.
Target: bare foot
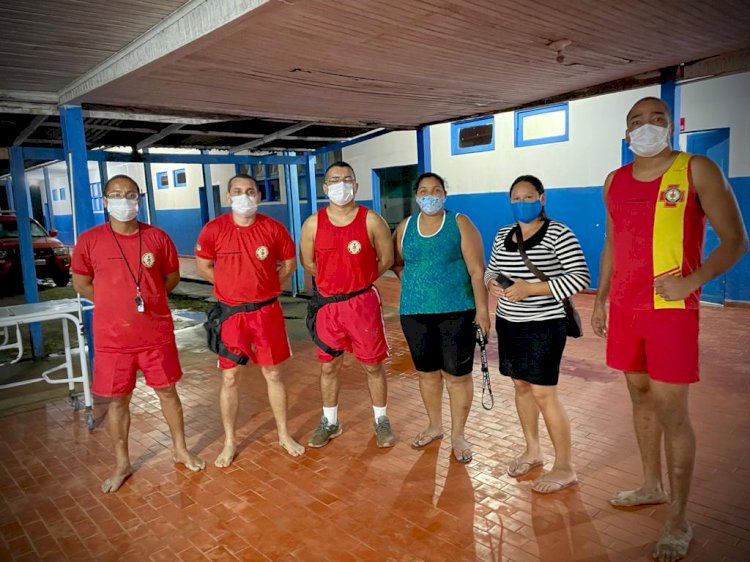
pixel 113 483
pixel 673 543
pixel 426 437
pixel 291 446
pixel 554 481
pixel 641 496
pixel 226 456
pixel 190 461
pixel 462 450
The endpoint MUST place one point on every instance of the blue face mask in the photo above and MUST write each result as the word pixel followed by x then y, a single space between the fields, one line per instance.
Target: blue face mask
pixel 526 211
pixel 430 204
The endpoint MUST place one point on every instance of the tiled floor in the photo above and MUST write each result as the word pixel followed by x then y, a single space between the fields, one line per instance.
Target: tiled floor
pixel 352 501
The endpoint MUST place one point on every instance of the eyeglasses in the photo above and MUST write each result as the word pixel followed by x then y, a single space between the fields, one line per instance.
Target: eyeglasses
pixel 130 195
pixel 348 180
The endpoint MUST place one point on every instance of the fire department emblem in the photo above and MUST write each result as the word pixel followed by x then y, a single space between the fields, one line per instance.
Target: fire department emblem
pixel 261 253
pixel 673 195
pixel 148 259
pixel 354 247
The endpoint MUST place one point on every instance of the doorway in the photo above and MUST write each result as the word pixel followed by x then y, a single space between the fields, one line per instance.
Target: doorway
pixel 394 189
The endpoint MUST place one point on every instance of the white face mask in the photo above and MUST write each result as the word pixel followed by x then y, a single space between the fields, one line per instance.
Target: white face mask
pixel 244 205
pixel 124 210
pixel 341 193
pixel 649 140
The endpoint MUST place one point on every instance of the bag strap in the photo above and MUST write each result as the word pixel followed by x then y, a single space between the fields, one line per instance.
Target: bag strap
pixel 566 302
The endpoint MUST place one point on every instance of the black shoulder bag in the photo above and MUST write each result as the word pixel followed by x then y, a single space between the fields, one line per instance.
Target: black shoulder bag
pixel 575 329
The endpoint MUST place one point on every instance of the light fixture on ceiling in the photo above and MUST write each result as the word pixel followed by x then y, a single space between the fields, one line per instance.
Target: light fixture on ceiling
pixel 560 46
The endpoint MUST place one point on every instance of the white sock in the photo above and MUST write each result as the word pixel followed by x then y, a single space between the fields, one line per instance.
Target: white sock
pixel 331 414
pixel 379 411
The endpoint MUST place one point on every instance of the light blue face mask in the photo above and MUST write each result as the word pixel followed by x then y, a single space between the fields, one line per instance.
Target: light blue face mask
pixel 431 204
pixel 526 211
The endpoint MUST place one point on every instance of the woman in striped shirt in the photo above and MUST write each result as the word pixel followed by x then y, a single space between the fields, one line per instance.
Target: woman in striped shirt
pixel 531 324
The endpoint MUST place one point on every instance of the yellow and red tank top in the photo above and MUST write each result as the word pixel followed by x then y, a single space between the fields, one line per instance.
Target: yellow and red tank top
pixel 658 229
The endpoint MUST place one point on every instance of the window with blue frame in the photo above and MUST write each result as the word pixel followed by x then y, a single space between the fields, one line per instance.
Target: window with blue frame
pixel 180 177
pixel 96 197
pixel 54 194
pixel 62 194
pixel 542 125
pixel 476 135
pixel 162 180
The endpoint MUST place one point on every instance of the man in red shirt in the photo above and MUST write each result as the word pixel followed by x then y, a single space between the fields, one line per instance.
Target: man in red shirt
pixel 127 268
pixel 652 273
pixel 247 256
pixel 346 248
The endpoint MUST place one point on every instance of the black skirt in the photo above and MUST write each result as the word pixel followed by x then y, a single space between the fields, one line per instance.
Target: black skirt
pixel 531 351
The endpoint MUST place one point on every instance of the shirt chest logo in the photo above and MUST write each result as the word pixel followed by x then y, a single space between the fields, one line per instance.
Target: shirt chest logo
pixel 261 253
pixel 148 259
pixel 671 196
pixel 354 247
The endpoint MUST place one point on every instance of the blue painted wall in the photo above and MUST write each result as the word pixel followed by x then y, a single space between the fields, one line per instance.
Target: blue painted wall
pixel 738 278
pixel 182 225
pixel 64 226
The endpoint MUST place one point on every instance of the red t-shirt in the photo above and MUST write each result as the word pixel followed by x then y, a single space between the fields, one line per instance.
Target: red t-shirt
pixel 345 259
pixel 118 326
pixel 245 257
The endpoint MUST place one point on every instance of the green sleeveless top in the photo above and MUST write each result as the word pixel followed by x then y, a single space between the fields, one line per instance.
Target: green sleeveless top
pixel 435 279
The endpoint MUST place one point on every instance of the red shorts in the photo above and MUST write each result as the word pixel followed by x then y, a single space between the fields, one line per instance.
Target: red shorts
pixel 260 334
pixel 354 325
pixel 662 343
pixel 114 371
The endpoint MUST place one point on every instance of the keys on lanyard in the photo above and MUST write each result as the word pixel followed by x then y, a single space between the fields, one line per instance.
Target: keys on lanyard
pixel 486 384
pixel 139 307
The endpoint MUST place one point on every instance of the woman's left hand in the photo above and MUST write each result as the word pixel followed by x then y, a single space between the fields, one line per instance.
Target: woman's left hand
pixel 519 290
pixel 483 321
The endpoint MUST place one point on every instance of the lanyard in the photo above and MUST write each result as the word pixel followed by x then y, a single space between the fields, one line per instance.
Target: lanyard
pixel 137 281
pixel 486 386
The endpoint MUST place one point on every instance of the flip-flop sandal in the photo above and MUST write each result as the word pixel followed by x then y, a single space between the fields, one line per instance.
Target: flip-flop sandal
pixel 519 471
pixel 465 457
pixel 673 547
pixel 629 498
pixel 421 441
pixel 560 486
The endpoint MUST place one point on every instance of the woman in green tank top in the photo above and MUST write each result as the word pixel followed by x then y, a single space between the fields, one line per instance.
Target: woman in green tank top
pixel 439 258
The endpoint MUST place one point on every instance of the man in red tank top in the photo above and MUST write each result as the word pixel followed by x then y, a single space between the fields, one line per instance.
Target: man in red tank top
pixel 127 268
pixel 247 256
pixel 346 247
pixel 652 273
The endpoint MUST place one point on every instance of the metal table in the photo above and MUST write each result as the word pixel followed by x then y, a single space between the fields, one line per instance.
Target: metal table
pixel 65 310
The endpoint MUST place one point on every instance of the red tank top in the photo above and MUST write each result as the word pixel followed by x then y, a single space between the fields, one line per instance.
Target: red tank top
pixel 658 229
pixel 344 257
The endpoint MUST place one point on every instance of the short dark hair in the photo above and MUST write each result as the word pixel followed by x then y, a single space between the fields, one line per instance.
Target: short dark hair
pixel 533 180
pixel 667 108
pixel 339 164
pixel 119 177
pixel 241 176
pixel 428 175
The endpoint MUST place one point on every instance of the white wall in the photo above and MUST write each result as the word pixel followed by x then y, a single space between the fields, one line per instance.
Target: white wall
pixel 393 149
pixel 717 103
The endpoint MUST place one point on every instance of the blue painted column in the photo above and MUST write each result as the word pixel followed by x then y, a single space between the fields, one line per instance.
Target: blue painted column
pixel 150 201
pixel 74 143
pixel 9 193
pixel 424 153
pixel 26 247
pixel 670 93
pixel 291 183
pixel 213 212
pixel 312 186
pixel 377 203
pixel 50 208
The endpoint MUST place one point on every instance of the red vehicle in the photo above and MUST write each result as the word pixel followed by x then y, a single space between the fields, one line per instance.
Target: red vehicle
pixel 51 257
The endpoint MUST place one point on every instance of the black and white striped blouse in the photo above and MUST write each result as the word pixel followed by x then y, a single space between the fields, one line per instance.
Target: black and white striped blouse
pixel 555 250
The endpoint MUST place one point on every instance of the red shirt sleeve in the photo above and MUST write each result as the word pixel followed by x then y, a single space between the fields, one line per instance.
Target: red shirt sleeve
pixel 81 263
pixel 205 246
pixel 284 244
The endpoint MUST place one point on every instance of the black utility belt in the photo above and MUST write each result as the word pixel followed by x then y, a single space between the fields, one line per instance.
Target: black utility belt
pixel 217 314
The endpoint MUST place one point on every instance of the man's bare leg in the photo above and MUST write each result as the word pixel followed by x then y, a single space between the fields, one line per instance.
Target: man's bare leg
pixel 376 383
pixel 648 432
pixel 460 393
pixel 528 415
pixel 118 414
pixel 431 389
pixel 330 383
pixel 229 398
pixel 171 408
pixel 671 401
pixel 278 401
pixel 562 474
